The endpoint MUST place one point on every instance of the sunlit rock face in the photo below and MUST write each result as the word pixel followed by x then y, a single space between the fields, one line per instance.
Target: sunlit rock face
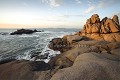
pixel 107 29
pixel 106 25
pixel 115 18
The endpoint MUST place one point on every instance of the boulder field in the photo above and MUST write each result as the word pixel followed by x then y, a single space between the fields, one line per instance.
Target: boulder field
pixel 90 54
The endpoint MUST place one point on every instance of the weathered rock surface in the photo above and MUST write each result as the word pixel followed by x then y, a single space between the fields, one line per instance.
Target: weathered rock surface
pixel 91 66
pixel 24 70
pixel 107 29
pixel 85 47
pixel 94 25
pixel 58 44
pixel 115 18
pixel 75 38
pixel 24 31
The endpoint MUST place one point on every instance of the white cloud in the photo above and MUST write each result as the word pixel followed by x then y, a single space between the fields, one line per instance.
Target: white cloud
pixel 105 3
pixel 78 1
pixel 90 9
pixel 101 4
pixel 25 4
pixel 89 3
pixel 67 16
pixel 52 3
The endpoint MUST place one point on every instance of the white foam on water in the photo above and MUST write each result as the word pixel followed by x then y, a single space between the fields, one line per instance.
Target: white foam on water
pixel 25 56
pixel 38 40
pixel 28 35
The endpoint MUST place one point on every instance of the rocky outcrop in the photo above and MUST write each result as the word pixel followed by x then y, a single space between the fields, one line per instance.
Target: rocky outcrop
pixel 94 51
pixel 91 66
pixel 59 44
pixel 107 29
pixel 106 25
pixel 115 18
pixel 67 58
pixel 75 38
pixel 24 31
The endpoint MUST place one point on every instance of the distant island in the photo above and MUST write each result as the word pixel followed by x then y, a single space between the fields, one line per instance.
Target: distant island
pixel 24 31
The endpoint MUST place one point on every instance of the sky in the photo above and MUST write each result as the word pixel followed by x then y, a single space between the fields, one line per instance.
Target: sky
pixel 54 13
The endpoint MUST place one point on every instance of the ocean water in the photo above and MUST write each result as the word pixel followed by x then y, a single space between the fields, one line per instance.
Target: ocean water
pixel 24 46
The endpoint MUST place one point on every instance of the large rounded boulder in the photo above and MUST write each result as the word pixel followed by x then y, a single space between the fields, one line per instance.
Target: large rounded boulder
pixel 58 44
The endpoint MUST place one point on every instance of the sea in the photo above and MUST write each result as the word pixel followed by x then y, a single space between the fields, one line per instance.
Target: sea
pixel 28 46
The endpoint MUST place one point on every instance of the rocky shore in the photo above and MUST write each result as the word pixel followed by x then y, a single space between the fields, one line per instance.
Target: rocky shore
pixel 90 54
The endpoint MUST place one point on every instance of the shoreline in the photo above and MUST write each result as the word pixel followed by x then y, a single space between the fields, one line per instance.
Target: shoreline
pixel 84 56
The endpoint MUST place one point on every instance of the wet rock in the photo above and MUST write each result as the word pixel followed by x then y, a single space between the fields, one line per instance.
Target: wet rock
pixel 58 44
pixel 6 61
pixel 35 54
pixel 40 66
pixel 24 31
pixel 42 56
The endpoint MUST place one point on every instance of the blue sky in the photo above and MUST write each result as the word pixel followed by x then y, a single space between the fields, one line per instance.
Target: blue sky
pixel 54 13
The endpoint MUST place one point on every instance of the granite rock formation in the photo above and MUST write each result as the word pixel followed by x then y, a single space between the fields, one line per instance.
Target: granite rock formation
pixel 94 52
pixel 106 25
pixel 107 29
pixel 58 44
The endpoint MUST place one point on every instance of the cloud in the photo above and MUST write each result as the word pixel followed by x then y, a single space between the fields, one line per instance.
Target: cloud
pixel 106 3
pixel 78 1
pixel 93 5
pixel 25 4
pixel 101 4
pixel 49 18
pixel 52 3
pixel 67 16
pixel 90 9
pixel 52 20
